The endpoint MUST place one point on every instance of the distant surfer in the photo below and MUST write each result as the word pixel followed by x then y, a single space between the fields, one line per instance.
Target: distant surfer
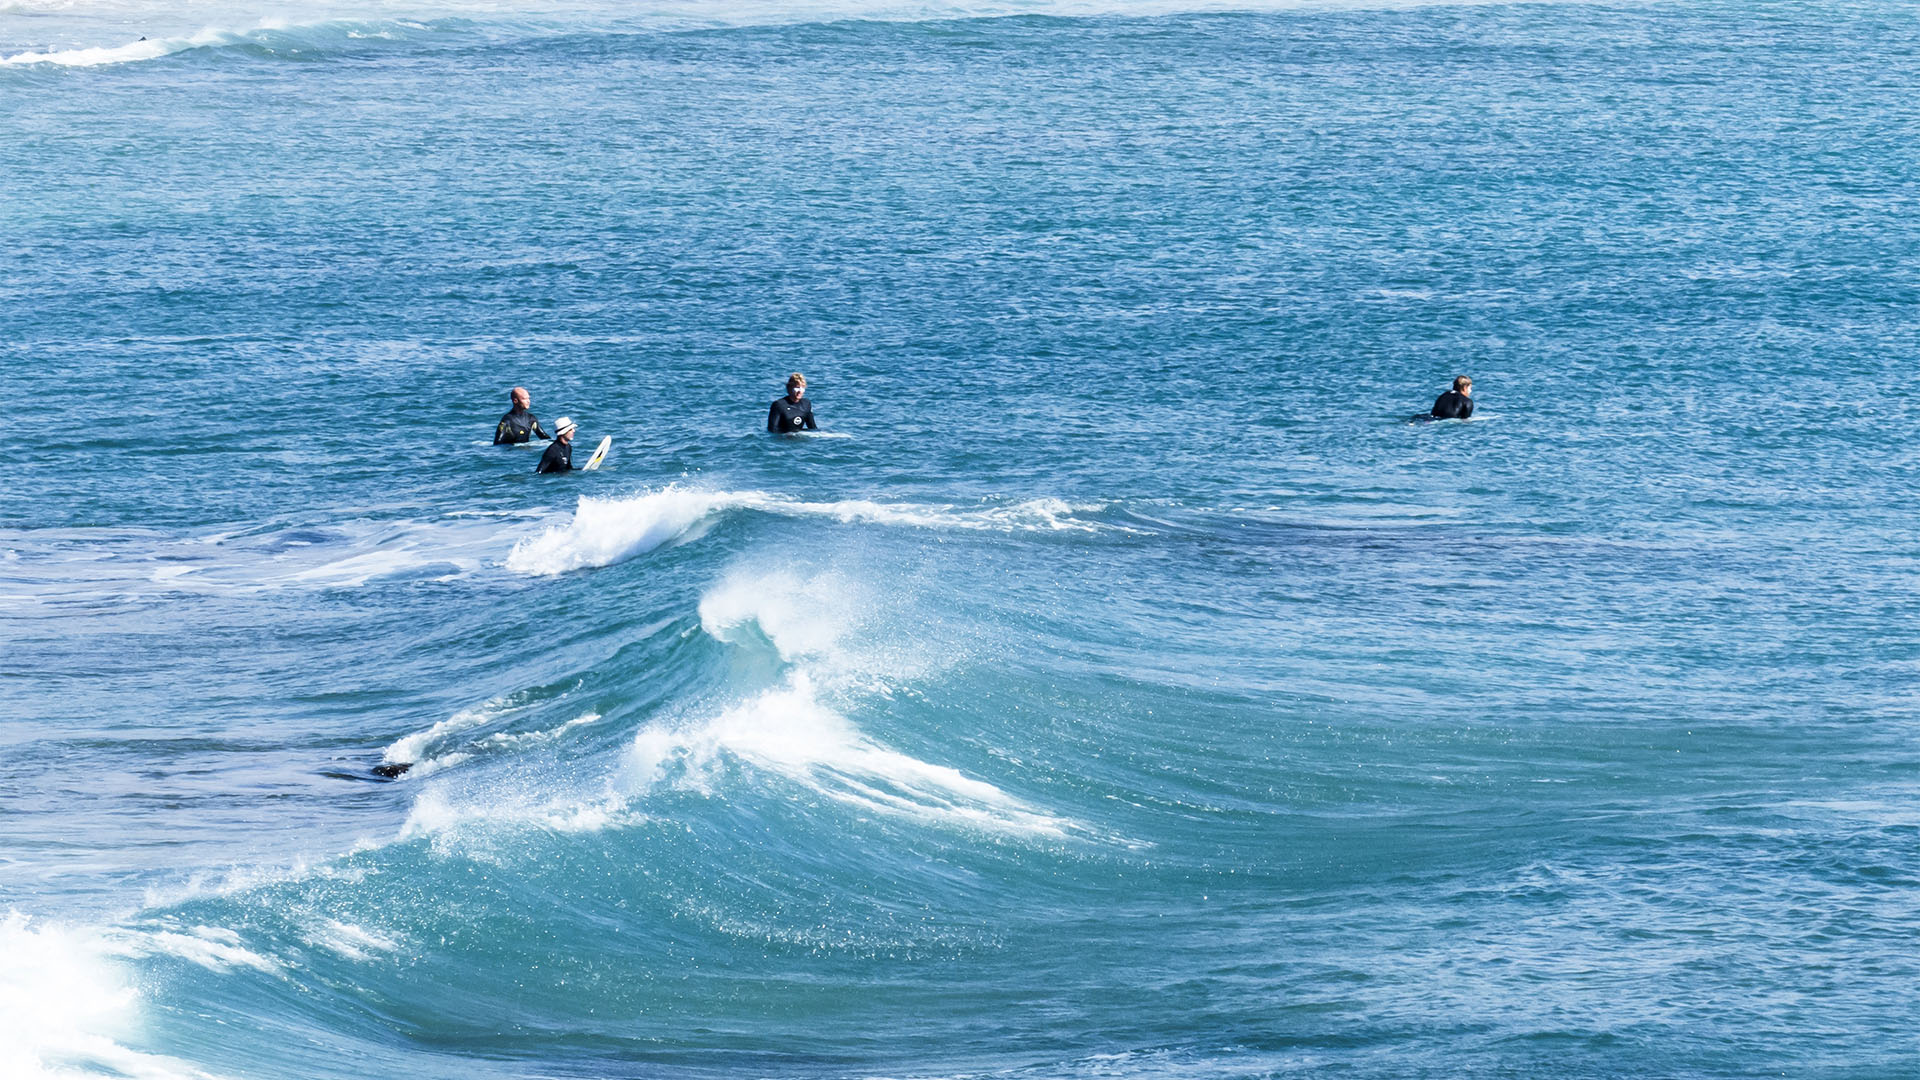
pixel 793 412
pixel 1457 403
pixel 519 424
pixel 559 455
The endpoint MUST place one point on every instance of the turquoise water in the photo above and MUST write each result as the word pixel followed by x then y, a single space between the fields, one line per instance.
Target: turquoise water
pixel 1128 688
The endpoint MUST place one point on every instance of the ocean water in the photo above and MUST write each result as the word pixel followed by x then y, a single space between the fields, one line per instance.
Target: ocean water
pixel 1122 686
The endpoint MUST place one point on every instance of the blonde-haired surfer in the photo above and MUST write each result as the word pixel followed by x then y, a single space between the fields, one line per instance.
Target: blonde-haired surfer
pixel 793 412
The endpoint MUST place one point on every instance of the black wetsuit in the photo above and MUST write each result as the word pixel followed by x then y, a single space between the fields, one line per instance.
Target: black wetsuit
pixel 558 458
pixel 1452 405
pixel 790 415
pixel 518 426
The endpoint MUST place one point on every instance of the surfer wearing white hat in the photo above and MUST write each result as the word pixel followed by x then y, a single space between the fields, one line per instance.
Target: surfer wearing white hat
pixel 559 455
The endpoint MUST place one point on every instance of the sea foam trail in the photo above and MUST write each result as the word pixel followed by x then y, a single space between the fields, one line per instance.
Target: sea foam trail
pixel 605 531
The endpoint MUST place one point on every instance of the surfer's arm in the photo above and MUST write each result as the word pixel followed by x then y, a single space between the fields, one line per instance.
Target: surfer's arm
pixel 500 432
pixel 540 431
pixel 811 426
pixel 773 418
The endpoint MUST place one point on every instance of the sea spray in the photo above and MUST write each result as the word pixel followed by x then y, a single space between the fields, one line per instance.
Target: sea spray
pixel 65 998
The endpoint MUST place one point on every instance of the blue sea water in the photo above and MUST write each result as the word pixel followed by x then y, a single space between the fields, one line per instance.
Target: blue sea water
pixel 1128 688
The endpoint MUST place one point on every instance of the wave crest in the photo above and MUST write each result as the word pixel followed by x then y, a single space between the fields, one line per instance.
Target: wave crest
pixel 606 531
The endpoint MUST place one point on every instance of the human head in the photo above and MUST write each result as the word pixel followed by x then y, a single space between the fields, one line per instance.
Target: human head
pixel 1463 384
pixel 520 397
pixel 563 429
pixel 796 385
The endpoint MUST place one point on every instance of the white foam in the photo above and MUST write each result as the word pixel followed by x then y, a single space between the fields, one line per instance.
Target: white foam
pixel 605 531
pixel 94 57
pixel 407 749
pixel 787 730
pixel 64 1004
pixel 801 617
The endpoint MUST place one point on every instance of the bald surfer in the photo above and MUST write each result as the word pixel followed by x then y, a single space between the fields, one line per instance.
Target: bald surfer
pixel 519 425
pixel 559 455
pixel 793 412
pixel 1457 403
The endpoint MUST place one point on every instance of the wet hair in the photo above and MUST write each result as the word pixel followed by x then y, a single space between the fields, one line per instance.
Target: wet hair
pixel 1461 382
pixel 796 379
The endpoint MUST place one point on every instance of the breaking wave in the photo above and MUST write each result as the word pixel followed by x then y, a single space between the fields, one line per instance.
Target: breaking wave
pixel 605 531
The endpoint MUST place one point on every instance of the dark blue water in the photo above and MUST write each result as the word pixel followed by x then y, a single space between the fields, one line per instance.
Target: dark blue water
pixel 1123 685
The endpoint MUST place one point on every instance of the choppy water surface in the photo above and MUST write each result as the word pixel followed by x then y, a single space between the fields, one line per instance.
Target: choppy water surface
pixel 1127 689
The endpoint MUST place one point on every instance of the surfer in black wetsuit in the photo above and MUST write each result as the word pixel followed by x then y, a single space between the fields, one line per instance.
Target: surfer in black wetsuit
pixel 1457 403
pixel 559 455
pixel 519 424
pixel 793 412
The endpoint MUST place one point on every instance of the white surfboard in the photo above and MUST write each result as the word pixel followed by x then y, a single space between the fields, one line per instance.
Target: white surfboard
pixel 599 454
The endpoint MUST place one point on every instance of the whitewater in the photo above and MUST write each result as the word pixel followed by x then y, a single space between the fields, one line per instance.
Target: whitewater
pixel 1125 683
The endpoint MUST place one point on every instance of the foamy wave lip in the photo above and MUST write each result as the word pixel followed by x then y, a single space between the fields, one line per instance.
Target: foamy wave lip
pixel 606 531
pixel 64 1001
pixel 407 749
pixel 800 618
pixel 412 750
pixel 788 731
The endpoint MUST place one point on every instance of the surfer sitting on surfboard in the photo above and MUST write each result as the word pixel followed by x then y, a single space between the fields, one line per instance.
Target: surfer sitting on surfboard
pixel 519 424
pixel 792 413
pixel 559 455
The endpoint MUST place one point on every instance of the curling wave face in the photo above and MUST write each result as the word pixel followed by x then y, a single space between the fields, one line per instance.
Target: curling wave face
pixel 787 731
